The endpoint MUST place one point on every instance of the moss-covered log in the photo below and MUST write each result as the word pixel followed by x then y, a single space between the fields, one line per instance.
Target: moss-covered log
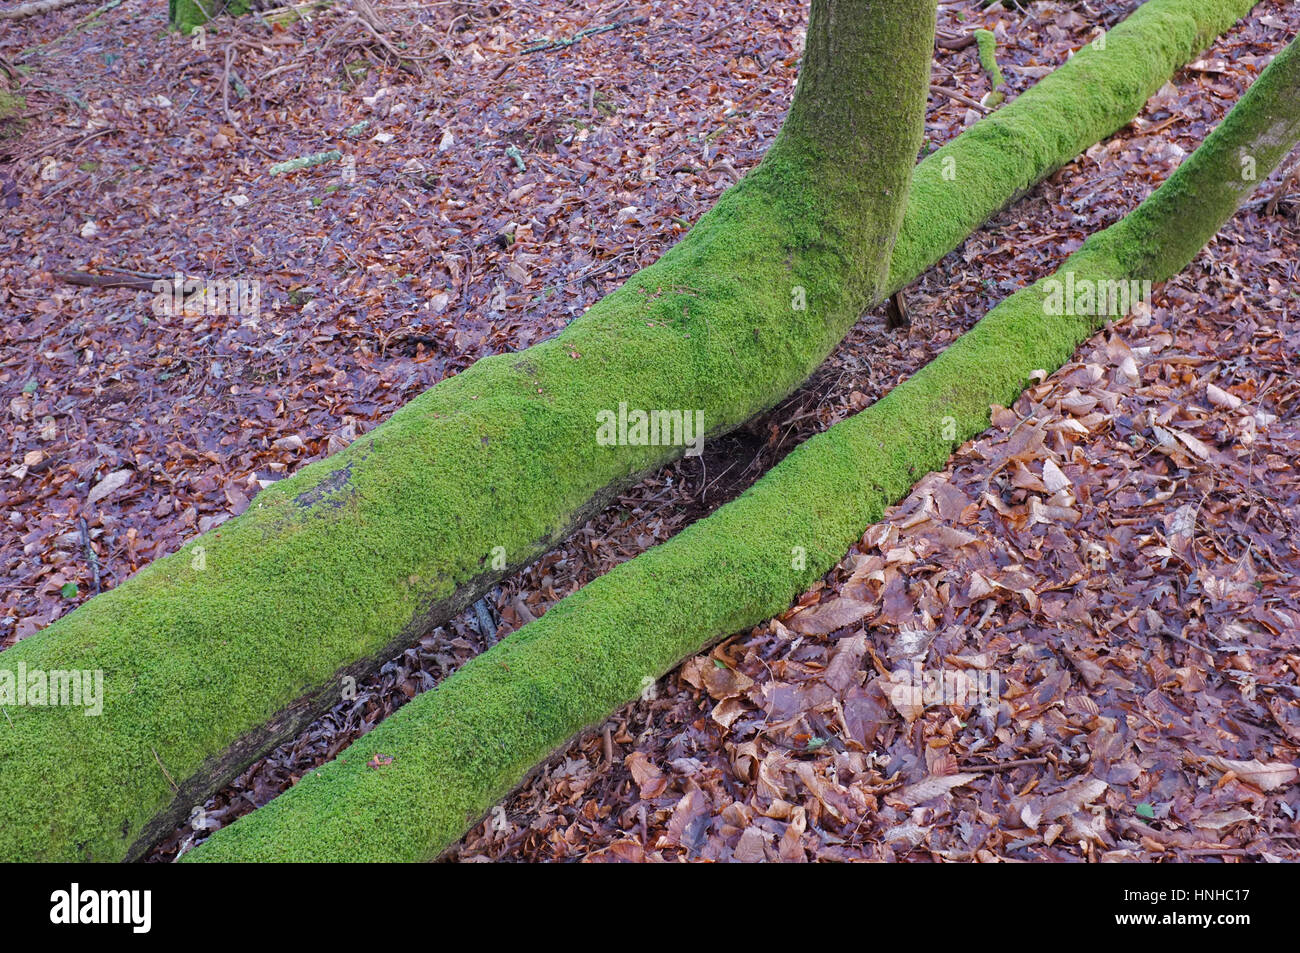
pixel 185 15
pixel 454 751
pixel 215 654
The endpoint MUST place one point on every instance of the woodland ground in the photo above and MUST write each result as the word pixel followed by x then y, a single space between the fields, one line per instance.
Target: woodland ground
pixel 1120 548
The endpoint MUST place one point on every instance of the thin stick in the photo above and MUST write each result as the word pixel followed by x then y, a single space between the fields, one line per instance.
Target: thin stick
pixel 580 35
pixel 1003 766
pixel 175 786
pixel 958 97
pixel 91 557
pixel 225 105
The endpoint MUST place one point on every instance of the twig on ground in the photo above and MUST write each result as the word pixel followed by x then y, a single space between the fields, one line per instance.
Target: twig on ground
pixel 225 104
pixel 581 35
pixel 88 280
pixel 1004 765
pixel 34 8
pixel 90 553
pixel 175 786
pixel 959 97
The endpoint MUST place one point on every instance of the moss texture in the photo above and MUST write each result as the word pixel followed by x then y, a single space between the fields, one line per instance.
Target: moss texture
pixel 987 44
pixel 1082 102
pixel 11 104
pixel 459 748
pixel 336 562
pixel 185 15
pixel 375 545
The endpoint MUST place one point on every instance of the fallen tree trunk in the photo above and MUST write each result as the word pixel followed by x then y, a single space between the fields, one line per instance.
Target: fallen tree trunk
pixel 454 751
pixel 213 655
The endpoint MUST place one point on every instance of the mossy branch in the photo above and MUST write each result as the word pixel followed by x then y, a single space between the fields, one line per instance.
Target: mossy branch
pixel 454 751
pixel 987 44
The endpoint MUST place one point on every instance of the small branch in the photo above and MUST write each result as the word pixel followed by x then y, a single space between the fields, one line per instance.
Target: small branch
pixel 958 97
pixel 399 55
pixel 582 35
pixel 1004 765
pixel 988 52
pixel 951 41
pixel 34 8
pixel 371 16
pixel 1186 641
pixel 89 280
pixel 305 162
pixel 225 104
pixel 72 142
pixel 175 786
pixel 90 552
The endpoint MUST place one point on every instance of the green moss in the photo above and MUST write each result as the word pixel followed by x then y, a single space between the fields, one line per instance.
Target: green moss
pixel 11 105
pixel 185 15
pixel 458 749
pixel 987 44
pixel 1083 101
pixel 356 553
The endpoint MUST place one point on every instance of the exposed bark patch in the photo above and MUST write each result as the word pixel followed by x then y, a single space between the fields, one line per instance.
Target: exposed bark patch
pixel 323 491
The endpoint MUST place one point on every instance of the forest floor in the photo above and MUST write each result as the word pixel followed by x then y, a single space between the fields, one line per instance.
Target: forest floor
pixel 1120 551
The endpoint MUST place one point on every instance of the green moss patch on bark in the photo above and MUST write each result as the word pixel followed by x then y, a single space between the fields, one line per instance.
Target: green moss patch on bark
pixel 185 15
pixel 987 44
pixel 1101 88
pixel 10 104
pixel 457 749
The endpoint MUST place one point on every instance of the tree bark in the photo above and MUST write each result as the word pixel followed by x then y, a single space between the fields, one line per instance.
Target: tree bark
pixel 457 749
pixel 216 653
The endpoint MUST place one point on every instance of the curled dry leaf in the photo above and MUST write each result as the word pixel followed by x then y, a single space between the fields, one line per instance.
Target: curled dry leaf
pixel 647 776
pixel 830 616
